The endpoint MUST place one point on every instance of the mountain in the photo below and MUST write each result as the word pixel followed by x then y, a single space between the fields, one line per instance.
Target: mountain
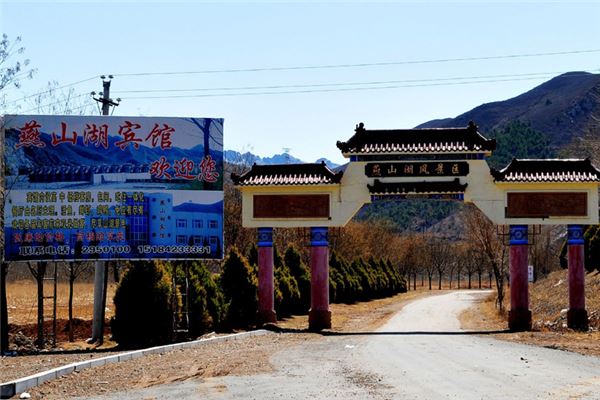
pixel 247 158
pixel 564 108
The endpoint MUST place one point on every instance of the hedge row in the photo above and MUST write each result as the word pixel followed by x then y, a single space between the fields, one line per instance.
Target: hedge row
pixel 144 301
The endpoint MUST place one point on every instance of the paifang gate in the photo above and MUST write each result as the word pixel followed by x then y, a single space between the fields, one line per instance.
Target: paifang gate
pixel 448 163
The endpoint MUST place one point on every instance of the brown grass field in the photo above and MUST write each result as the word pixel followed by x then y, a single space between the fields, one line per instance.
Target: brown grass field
pixel 22 301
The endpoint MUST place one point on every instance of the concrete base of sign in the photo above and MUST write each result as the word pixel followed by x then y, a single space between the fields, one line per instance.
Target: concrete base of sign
pixel 265 317
pixel 519 320
pixel 319 320
pixel 578 320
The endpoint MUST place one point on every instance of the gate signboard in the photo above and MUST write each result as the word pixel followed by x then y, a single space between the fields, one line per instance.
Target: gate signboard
pixel 104 187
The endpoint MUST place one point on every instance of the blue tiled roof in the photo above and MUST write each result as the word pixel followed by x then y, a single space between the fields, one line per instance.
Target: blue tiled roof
pixel 200 208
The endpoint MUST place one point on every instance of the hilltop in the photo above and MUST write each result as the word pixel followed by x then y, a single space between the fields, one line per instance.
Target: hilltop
pixel 564 108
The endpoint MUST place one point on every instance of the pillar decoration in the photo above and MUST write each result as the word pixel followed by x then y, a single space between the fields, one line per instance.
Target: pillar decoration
pixel 266 285
pixel 319 316
pixel 519 318
pixel 577 317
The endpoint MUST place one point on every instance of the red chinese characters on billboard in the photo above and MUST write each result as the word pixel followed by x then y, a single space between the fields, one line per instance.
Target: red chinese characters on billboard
pixel 183 169
pixel 30 135
pixel 97 135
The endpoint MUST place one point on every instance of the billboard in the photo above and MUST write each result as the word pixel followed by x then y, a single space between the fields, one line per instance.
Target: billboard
pixel 100 187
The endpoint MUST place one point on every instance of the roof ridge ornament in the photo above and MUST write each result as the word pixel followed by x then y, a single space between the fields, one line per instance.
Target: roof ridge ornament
pixel 360 127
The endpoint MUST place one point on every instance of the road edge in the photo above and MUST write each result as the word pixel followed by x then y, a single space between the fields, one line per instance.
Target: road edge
pixel 10 389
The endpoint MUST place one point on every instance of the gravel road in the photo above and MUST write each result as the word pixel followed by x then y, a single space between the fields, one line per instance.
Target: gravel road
pixel 420 353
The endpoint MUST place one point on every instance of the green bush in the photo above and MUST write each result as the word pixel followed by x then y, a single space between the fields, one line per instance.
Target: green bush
pixel 143 314
pixel 239 285
pixel 347 282
pixel 253 255
pixel 365 278
pixel 301 274
pixel 206 309
pixel 287 286
pixel 399 281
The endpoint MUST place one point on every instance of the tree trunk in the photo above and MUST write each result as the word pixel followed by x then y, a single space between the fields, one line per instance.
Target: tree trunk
pixel 479 279
pixel 500 290
pixel 3 309
pixel 116 272
pixel 41 273
pixel 458 279
pixel 470 274
pixel 490 276
pixel 450 278
pixel 440 281
pixel 104 295
pixel 423 280
pixel 430 276
pixel 71 284
pixel 414 281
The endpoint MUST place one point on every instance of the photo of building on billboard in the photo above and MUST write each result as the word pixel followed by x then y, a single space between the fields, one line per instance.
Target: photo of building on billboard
pixel 80 188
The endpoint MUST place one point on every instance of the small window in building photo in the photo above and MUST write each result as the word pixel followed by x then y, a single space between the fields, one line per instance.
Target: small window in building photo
pixel 212 224
pixel 197 223
pixel 181 239
pixel 181 223
pixel 197 240
pixel 213 241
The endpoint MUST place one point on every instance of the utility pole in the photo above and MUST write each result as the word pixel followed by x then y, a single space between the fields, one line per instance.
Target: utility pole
pixel 101 273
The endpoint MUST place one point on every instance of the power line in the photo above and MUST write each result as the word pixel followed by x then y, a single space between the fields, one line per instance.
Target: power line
pixel 53 89
pixel 333 90
pixel 40 106
pixel 533 74
pixel 360 65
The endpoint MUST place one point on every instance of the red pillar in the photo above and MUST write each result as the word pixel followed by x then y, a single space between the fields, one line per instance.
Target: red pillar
pixel 319 316
pixel 519 318
pixel 266 286
pixel 577 317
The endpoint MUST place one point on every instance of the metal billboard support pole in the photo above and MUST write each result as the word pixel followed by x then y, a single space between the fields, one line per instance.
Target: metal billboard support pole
pixel 101 273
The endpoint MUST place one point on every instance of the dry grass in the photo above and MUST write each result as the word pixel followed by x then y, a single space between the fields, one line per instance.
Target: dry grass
pixel 22 301
pixel 549 301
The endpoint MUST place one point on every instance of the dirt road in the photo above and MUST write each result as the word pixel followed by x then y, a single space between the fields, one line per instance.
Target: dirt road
pixel 420 353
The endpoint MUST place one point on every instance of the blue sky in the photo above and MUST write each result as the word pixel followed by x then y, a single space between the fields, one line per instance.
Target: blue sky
pixel 73 41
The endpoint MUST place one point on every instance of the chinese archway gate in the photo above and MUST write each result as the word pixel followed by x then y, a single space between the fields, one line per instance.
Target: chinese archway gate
pixel 446 163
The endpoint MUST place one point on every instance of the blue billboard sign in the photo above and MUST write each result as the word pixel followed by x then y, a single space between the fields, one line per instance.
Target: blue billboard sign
pixel 83 187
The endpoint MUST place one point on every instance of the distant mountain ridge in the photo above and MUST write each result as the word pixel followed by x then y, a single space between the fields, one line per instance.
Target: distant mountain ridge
pixel 564 108
pixel 247 158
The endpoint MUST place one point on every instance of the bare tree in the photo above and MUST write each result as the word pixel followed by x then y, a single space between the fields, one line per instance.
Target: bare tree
pixel 12 68
pixel 39 272
pixel 74 269
pixel 545 250
pixel 425 261
pixel 482 233
pixel 410 259
pixel 439 253
pixel 56 101
pixel 453 265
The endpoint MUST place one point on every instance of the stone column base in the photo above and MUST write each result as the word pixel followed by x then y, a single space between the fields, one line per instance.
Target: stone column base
pixel 519 320
pixel 319 320
pixel 265 317
pixel 577 319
